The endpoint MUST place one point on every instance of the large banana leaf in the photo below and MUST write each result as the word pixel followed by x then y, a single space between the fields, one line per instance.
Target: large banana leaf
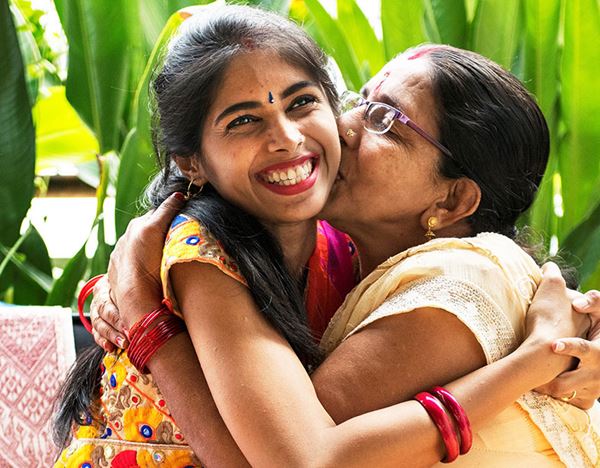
pixel 137 161
pixel 30 290
pixel 17 136
pixel 361 38
pixel 446 22
pixel 580 105
pixel 99 64
pixel 497 30
pixel 402 25
pixel 584 243
pixel 331 38
pixel 540 75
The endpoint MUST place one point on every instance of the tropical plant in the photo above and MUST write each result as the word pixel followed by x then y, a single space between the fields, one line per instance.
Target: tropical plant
pixel 114 47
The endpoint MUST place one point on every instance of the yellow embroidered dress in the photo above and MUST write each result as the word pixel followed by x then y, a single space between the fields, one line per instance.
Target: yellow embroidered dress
pixel 487 282
pixel 131 425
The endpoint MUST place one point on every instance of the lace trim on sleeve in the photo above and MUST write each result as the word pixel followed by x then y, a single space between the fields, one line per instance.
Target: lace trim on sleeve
pixel 468 302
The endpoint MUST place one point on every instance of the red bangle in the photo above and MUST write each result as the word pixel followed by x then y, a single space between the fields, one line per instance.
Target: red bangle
pixel 143 347
pixel 83 295
pixel 142 324
pixel 460 416
pixel 437 413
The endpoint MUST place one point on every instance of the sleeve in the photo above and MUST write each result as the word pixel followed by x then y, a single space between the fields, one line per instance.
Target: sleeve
pixel 469 285
pixel 189 241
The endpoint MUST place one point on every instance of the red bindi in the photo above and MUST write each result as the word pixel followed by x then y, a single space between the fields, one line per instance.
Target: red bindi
pixel 421 52
pixel 385 75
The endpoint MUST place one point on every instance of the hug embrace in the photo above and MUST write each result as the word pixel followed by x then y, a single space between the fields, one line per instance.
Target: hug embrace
pixel 317 265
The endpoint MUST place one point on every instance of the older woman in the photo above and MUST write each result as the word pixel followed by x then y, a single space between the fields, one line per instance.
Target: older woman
pixel 477 174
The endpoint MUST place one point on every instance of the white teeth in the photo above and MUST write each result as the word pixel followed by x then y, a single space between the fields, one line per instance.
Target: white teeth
pixel 292 176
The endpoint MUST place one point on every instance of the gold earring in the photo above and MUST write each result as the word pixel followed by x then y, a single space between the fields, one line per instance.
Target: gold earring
pixel 188 193
pixel 431 223
pixel 350 132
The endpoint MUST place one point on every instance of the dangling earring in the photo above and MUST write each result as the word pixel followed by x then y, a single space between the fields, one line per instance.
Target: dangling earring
pixel 188 193
pixel 431 223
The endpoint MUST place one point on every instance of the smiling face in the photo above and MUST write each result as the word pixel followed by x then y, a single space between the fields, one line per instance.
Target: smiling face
pixel 387 183
pixel 270 143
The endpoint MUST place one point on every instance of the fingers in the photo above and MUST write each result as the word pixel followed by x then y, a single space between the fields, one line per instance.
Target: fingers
pixel 576 347
pixel 168 209
pixel 570 388
pixel 588 302
pixel 105 318
pixel 552 278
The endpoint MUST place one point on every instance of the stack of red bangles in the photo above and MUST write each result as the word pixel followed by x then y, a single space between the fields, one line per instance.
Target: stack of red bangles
pixel 151 332
pixel 448 415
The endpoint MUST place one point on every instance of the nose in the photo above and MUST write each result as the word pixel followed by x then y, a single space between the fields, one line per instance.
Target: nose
pixel 350 128
pixel 285 136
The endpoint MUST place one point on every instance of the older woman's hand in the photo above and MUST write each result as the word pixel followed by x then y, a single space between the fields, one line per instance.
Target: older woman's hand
pixel 132 286
pixel 580 386
pixel 105 318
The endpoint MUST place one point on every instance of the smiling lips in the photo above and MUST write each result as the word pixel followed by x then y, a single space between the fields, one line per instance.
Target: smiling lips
pixel 292 177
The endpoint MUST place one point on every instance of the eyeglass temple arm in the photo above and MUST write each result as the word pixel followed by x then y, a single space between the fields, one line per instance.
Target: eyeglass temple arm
pixel 409 123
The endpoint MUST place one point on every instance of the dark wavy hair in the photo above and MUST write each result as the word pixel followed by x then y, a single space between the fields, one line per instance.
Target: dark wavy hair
pixel 494 129
pixel 183 92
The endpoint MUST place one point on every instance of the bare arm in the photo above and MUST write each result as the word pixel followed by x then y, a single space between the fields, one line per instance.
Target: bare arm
pixel 260 387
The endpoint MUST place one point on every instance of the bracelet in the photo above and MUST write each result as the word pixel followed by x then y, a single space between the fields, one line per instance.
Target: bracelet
pixel 83 295
pixel 437 413
pixel 144 346
pixel 142 325
pixel 460 416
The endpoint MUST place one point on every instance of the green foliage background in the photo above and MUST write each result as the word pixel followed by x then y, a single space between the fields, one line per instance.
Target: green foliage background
pixel 552 45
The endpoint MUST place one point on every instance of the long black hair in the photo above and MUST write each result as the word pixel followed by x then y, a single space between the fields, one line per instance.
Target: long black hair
pixel 183 92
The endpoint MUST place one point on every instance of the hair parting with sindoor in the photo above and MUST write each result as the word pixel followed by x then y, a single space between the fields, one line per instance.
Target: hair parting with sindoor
pixel 183 91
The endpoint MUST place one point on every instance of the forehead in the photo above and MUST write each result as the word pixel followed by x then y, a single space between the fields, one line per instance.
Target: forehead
pixel 402 83
pixel 251 75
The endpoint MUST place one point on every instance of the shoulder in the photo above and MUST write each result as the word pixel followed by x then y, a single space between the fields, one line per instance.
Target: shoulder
pixel 189 240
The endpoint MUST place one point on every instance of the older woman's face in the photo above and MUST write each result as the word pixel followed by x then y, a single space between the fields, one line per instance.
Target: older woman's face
pixel 387 181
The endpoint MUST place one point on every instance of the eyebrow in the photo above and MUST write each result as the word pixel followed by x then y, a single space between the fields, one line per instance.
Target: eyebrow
pixel 287 92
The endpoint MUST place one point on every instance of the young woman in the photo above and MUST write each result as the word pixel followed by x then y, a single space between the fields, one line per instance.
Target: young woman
pixel 233 346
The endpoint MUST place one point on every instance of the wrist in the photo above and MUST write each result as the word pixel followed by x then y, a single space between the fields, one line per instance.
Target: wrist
pixel 536 356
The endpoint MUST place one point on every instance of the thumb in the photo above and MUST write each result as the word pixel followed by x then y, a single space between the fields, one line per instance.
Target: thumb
pixel 164 214
pixel 552 280
pixel 576 347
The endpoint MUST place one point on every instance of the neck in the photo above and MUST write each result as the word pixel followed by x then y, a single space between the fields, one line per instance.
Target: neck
pixel 375 246
pixel 297 242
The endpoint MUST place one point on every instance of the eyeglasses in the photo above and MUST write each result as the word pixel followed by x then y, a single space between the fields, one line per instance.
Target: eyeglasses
pixel 380 117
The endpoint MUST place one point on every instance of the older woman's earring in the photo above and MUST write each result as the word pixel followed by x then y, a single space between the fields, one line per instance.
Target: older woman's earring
pixel 350 133
pixel 432 222
pixel 188 192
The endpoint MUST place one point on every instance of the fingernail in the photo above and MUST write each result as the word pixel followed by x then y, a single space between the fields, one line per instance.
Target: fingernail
pixel 581 302
pixel 180 196
pixel 558 346
pixel 120 341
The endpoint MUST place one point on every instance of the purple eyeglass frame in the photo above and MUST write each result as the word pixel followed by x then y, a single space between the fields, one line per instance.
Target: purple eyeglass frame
pixel 402 118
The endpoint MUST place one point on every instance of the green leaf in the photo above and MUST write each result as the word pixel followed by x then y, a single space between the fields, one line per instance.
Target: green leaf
pixel 99 61
pixel 30 52
pixel 361 37
pixel 17 136
pixel 33 277
pixel 99 263
pixel 584 243
pixel 331 38
pixel 62 139
pixel 540 75
pixel 497 30
pixel 446 22
pixel 137 160
pixel 63 290
pixel 580 104
pixel 402 25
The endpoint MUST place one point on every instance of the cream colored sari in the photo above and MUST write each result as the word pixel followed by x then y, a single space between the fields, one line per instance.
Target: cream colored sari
pixel 487 282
